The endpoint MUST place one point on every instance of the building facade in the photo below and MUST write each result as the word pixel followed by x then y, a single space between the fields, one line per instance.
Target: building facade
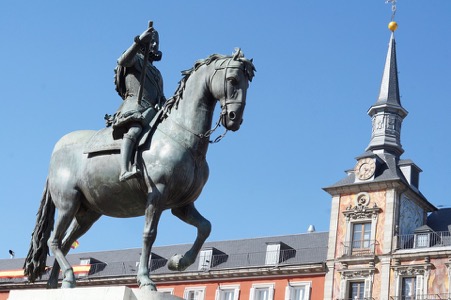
pixel 279 268
pixel 387 241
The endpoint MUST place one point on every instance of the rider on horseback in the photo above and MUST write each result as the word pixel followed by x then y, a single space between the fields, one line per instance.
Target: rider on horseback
pixel 140 85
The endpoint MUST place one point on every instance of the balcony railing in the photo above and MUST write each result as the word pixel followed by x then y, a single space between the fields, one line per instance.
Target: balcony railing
pixel 356 298
pixel 424 240
pixel 358 248
pixel 423 297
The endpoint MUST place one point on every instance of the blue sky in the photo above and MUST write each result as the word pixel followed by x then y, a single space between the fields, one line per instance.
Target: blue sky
pixel 319 66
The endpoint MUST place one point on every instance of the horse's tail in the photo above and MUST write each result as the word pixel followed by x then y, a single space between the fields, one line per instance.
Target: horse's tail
pixel 35 262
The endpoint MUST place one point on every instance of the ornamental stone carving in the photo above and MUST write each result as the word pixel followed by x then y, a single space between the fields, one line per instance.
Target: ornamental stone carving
pixel 412 270
pixel 362 209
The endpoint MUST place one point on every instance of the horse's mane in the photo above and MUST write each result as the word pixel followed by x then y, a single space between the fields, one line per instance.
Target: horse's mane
pixel 249 69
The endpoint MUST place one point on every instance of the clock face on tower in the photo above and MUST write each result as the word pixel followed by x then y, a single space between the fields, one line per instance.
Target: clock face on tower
pixel 365 168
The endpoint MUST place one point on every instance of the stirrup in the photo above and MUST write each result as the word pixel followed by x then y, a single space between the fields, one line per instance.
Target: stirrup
pixel 130 174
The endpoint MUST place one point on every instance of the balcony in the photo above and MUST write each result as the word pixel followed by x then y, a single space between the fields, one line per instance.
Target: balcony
pixel 358 248
pixel 424 240
pixel 357 298
pixel 423 297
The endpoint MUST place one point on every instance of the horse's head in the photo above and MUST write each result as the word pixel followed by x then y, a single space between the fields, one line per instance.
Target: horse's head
pixel 229 84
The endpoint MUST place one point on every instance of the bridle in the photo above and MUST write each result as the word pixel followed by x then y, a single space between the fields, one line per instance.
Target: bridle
pixel 227 101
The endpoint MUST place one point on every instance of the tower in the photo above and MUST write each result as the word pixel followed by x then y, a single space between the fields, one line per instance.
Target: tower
pixel 378 211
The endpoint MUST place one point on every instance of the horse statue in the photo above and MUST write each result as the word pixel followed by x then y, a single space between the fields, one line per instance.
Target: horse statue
pixel 84 186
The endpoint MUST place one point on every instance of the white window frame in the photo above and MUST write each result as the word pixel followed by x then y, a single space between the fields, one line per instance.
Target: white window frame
pixel 272 254
pixel 222 288
pixel 420 284
pixel 166 290
pixel 349 285
pixel 205 258
pixel 299 284
pixel 354 215
pixel 350 232
pixel 199 289
pixel 348 276
pixel 422 240
pixel 258 286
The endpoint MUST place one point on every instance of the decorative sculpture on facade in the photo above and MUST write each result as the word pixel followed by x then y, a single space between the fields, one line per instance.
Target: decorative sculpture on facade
pixel 86 166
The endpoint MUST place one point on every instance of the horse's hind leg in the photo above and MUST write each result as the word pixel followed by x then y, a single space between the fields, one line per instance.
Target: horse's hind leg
pixel 68 206
pixel 190 215
pixel 83 220
pixel 152 216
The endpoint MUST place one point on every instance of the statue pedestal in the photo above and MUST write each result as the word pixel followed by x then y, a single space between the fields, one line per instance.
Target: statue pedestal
pixel 90 293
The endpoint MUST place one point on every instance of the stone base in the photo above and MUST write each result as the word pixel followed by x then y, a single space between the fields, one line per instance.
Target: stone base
pixel 90 293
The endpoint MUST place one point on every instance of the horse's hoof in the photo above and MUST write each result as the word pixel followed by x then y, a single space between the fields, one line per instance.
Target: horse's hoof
pixel 52 285
pixel 67 284
pixel 148 287
pixel 175 263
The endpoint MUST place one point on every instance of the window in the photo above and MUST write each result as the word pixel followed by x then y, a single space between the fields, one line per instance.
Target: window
pixel 169 291
pixel 278 252
pixel 272 254
pixel 356 290
pixel 421 240
pixel 361 235
pixel 227 292
pixel 205 257
pixel 196 293
pixel 298 291
pixel 408 288
pixel 262 292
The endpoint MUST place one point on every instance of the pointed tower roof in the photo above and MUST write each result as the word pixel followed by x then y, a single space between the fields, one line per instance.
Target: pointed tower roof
pixel 387 113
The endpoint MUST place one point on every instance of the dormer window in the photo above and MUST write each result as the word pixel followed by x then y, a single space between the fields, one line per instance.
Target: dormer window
pixel 422 237
pixel 211 257
pixel 278 252
pixel 205 257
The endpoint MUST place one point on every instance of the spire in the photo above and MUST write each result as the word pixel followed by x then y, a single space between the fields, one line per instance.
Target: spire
pixel 387 113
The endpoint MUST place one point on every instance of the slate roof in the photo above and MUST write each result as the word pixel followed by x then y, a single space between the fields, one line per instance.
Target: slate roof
pixel 309 248
pixel 388 172
pixel 440 220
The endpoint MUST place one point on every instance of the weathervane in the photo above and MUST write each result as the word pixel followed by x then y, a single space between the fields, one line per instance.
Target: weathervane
pixel 392 25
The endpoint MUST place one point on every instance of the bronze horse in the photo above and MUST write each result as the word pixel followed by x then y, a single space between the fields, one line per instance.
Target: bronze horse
pixel 84 187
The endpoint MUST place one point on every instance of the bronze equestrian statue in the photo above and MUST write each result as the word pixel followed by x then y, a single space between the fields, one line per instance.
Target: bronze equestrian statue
pixel 83 181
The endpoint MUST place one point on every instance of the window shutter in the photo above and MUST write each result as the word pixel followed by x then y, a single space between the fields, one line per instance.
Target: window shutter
pixel 236 294
pixel 419 286
pixel 367 288
pixel 205 260
pixel 218 294
pixel 287 292
pixel 252 295
pixel 272 254
pixel 270 293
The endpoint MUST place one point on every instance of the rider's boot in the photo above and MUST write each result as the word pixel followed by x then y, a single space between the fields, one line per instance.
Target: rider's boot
pixel 128 144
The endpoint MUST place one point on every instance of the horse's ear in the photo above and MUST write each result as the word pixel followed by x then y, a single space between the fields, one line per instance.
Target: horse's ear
pixel 238 54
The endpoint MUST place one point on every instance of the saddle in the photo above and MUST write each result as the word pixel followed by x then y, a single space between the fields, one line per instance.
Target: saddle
pixel 104 141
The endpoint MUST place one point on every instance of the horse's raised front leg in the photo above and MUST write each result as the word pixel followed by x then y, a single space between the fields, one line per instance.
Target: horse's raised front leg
pixel 190 215
pixel 80 225
pixel 152 216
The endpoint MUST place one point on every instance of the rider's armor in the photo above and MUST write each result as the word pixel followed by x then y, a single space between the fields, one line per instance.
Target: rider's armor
pixel 134 113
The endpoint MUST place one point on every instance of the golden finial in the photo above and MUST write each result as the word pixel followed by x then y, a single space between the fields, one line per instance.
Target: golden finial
pixel 392 25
